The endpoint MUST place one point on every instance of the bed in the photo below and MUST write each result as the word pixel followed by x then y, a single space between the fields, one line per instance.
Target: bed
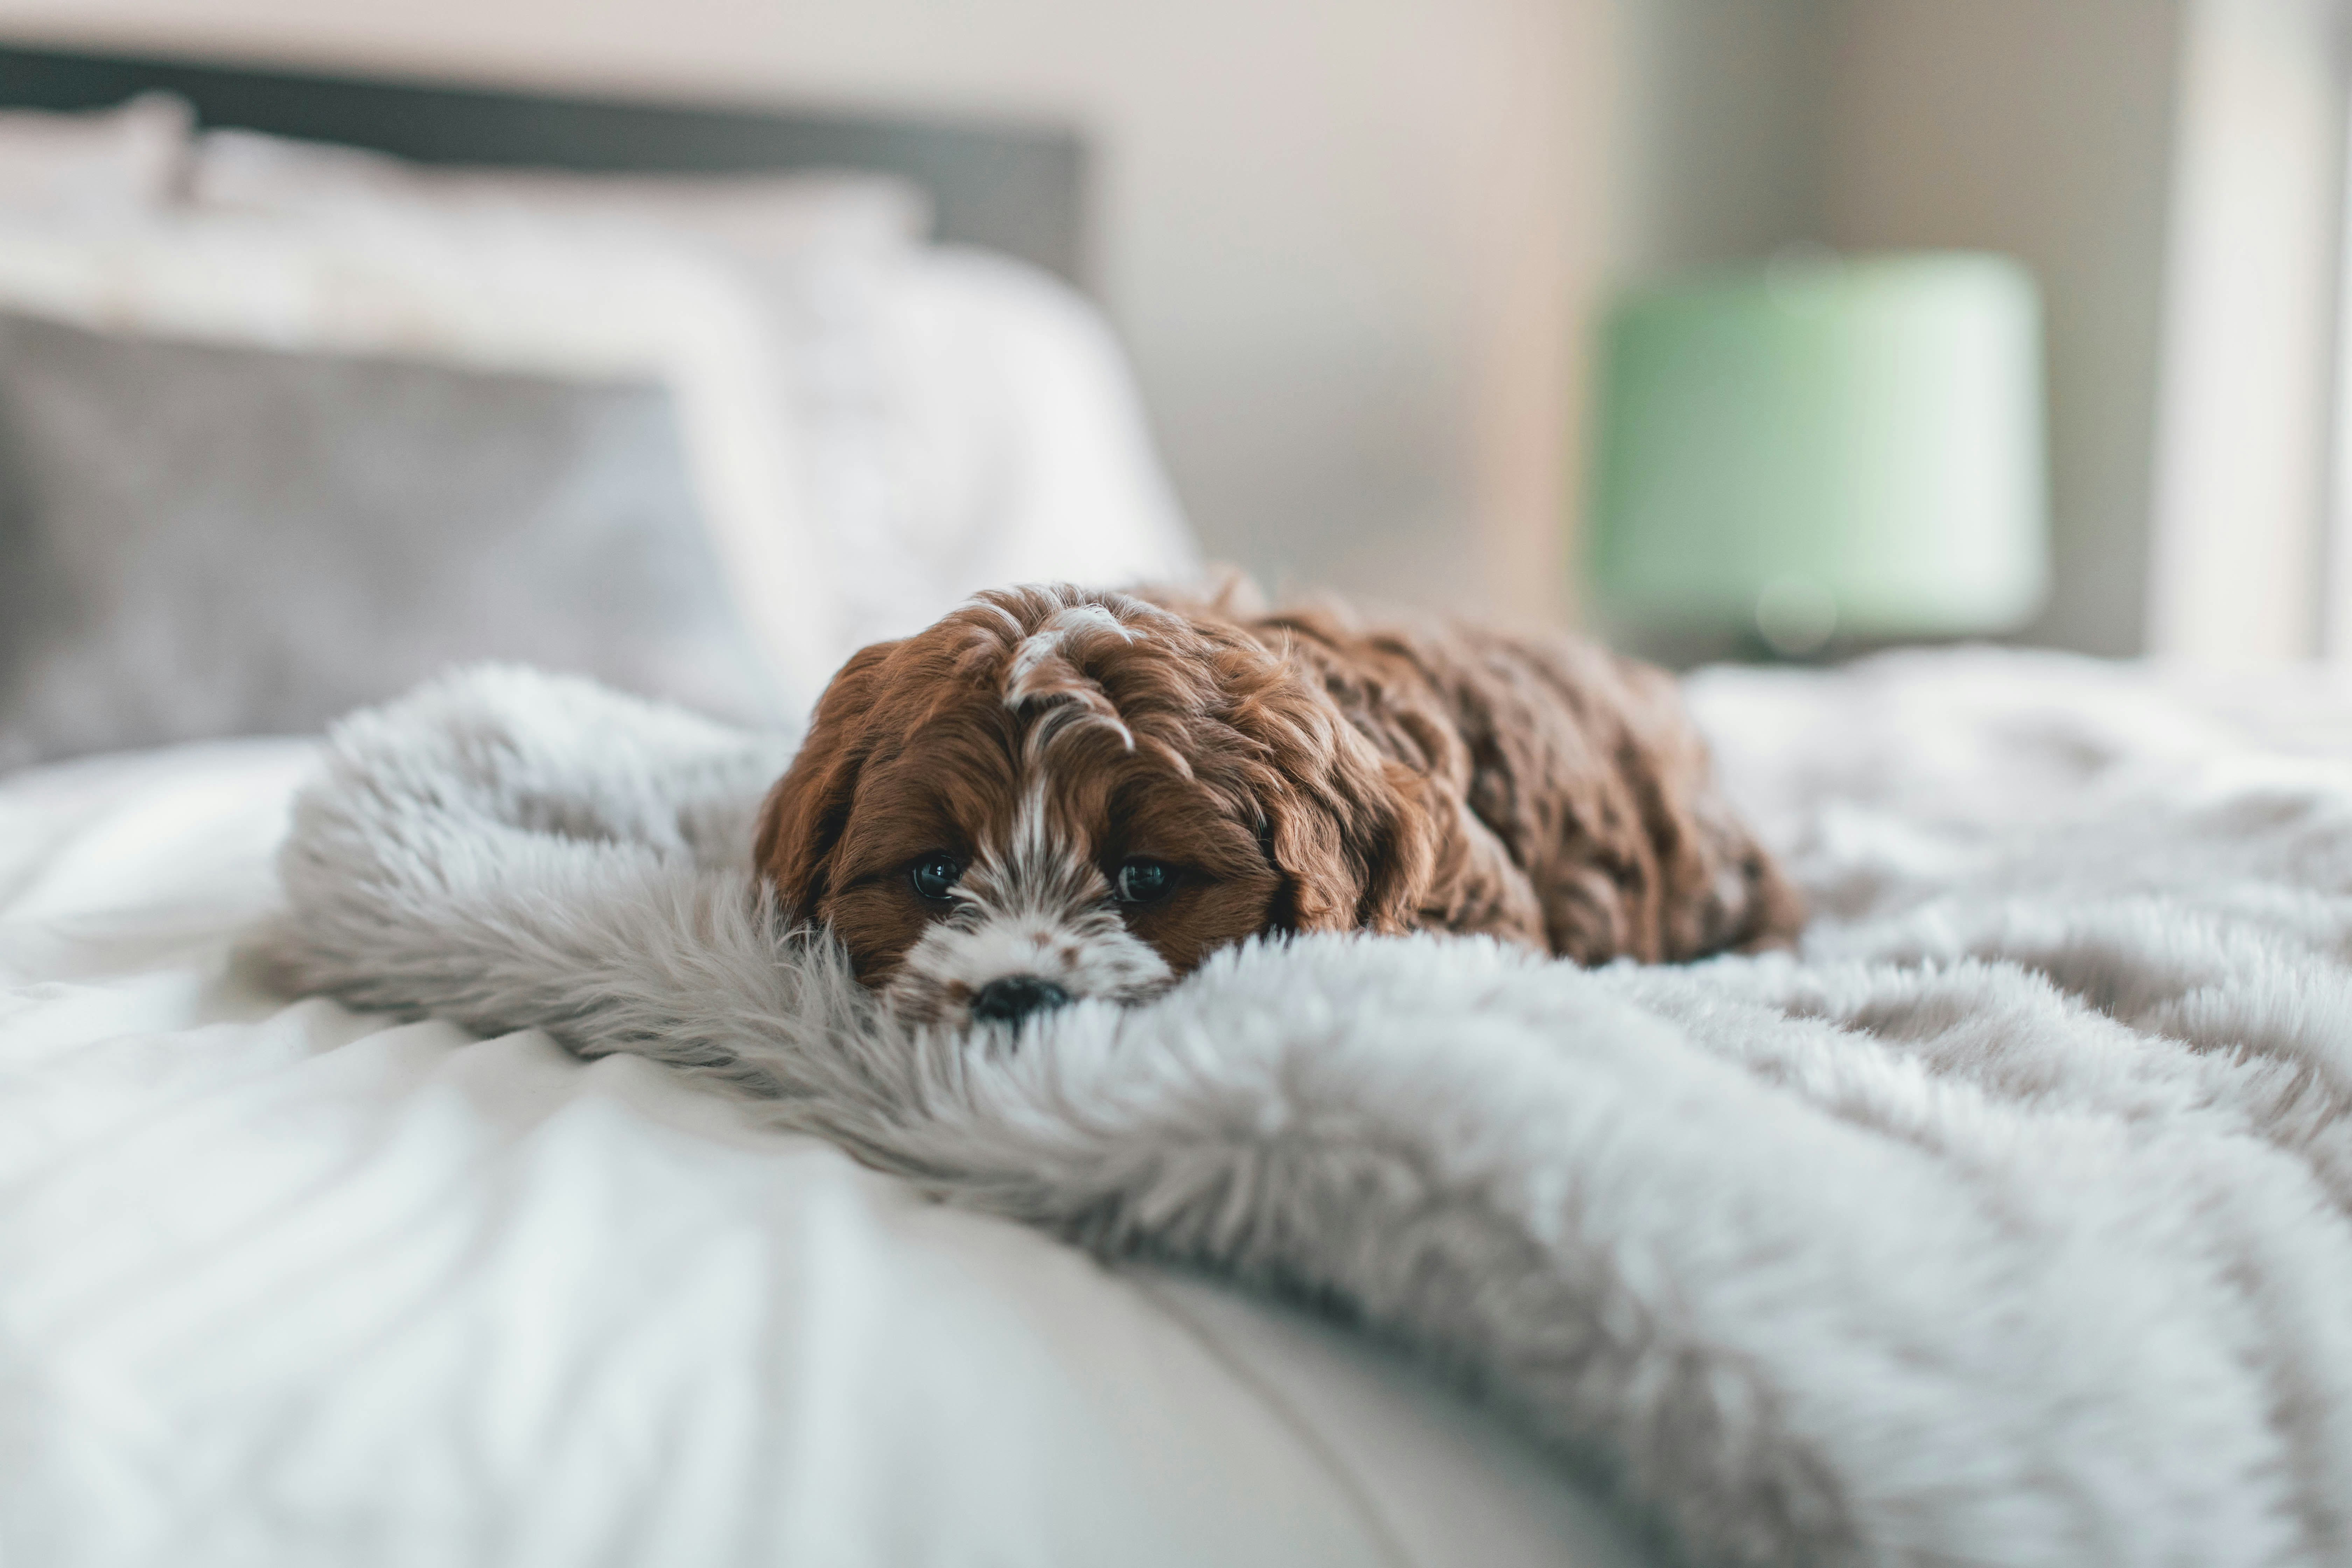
pixel 287 1282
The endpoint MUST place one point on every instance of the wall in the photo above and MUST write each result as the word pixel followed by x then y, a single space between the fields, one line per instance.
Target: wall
pixel 2042 128
pixel 1345 240
pixel 1716 137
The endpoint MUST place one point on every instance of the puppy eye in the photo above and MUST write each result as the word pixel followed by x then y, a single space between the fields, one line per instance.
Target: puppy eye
pixel 933 875
pixel 1142 881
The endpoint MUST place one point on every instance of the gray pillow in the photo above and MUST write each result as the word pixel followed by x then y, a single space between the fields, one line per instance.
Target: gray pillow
pixel 199 542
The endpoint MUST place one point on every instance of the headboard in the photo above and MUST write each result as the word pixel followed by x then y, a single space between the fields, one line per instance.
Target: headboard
pixel 1014 188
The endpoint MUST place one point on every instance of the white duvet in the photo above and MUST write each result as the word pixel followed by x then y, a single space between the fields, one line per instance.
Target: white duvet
pixel 284 1284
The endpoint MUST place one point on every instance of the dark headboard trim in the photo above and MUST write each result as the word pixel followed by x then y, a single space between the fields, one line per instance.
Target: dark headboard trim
pixel 1015 189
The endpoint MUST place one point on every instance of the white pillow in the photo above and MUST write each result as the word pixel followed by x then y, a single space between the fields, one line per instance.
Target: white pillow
pixel 873 430
pixel 758 216
pixel 938 420
pixel 105 162
pixel 968 421
pixel 520 303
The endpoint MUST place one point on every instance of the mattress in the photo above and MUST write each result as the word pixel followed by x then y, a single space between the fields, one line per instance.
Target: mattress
pixel 284 1283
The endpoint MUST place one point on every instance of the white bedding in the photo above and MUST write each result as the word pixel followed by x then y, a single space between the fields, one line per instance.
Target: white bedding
pixel 287 1284
pixel 283 1284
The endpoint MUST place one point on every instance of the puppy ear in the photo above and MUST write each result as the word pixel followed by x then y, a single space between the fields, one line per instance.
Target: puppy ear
pixel 801 820
pixel 1350 830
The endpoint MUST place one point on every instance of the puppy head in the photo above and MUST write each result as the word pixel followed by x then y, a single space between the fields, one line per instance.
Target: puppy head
pixel 1053 794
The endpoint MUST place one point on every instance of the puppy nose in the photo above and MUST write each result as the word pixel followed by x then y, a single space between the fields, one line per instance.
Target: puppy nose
pixel 1014 997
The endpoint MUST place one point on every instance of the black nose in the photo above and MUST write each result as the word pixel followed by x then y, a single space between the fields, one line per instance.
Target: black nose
pixel 1014 997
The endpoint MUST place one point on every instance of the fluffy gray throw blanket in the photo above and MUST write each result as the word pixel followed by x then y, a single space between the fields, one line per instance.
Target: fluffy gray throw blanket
pixel 2006 1223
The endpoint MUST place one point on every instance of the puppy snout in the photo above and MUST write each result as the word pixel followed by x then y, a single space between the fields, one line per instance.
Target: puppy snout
pixel 1014 997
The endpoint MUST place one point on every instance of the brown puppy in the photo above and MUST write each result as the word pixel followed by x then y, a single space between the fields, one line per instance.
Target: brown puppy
pixel 1056 792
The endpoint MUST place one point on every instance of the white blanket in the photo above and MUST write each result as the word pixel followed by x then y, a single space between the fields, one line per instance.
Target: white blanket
pixel 2006 1225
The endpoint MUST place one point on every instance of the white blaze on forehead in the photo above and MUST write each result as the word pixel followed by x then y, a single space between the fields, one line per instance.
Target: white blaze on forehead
pixel 1045 643
pixel 1044 647
pixel 1031 847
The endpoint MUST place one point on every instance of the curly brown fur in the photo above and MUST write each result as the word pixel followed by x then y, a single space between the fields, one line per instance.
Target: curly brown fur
pixel 1295 772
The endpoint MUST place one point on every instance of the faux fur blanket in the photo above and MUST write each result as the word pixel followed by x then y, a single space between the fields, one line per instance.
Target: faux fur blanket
pixel 2005 1223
